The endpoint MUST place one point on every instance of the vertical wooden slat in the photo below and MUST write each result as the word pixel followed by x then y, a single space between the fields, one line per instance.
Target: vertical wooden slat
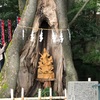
pixel 39 94
pixel 12 94
pixel 22 93
pixel 65 94
pixel 50 97
pixel 89 79
pixel 50 93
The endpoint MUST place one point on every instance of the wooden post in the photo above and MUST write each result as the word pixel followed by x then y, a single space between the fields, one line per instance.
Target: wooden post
pixel 22 93
pixel 89 79
pixel 12 94
pixel 39 94
pixel 50 93
pixel 65 94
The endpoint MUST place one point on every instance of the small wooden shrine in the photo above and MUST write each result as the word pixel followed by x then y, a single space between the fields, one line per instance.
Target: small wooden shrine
pixel 45 69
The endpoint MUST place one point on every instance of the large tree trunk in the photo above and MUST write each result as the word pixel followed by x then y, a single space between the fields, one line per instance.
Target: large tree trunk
pixel 63 24
pixel 23 55
pixel 10 70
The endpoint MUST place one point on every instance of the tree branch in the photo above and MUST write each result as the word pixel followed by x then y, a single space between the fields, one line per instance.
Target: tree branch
pixel 75 17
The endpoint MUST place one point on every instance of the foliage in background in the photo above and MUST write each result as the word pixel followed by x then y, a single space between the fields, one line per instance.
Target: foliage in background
pixel 92 57
pixel 86 41
pixel 86 70
pixel 93 53
pixel 9 10
pixel 46 92
pixel 84 30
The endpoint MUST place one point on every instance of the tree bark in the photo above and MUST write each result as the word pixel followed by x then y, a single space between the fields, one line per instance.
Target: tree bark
pixel 21 4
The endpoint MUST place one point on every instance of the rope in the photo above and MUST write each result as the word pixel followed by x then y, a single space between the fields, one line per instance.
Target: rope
pixel 42 28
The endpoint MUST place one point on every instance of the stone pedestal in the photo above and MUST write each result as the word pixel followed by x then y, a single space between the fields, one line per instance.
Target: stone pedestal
pixel 82 90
